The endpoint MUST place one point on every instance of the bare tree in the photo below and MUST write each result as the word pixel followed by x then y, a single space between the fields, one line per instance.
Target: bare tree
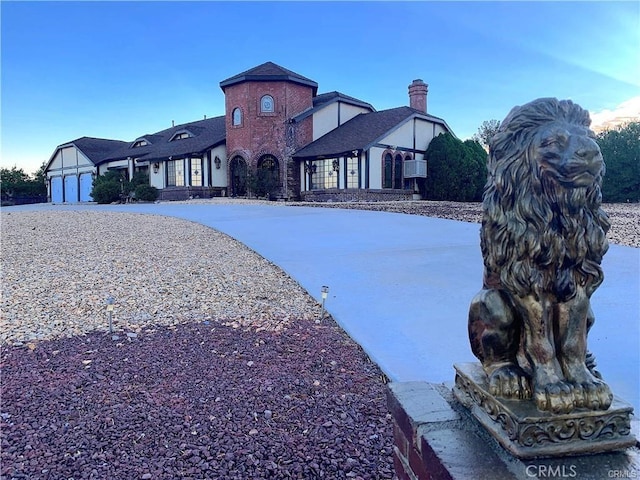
pixel 485 132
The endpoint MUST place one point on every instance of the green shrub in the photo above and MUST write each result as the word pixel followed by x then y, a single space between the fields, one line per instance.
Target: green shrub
pixel 456 170
pixel 621 152
pixel 146 193
pixel 106 191
pixel 262 183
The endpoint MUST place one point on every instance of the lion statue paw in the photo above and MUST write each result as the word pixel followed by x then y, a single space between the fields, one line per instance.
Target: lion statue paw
pixel 556 397
pixel 510 381
pixel 589 391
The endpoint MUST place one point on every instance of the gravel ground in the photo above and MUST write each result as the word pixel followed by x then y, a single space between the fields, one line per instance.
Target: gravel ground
pixel 220 368
pixel 60 266
pixel 195 401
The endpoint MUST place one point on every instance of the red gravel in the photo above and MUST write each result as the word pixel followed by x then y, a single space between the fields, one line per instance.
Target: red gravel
pixel 195 401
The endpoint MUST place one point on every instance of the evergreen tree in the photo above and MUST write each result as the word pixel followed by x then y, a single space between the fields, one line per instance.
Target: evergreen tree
pixel 456 170
pixel 621 152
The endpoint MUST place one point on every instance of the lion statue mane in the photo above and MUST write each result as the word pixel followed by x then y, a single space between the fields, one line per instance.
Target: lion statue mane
pixel 543 237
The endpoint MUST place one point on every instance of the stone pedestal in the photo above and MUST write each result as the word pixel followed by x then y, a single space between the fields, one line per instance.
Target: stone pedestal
pixel 437 438
pixel 528 433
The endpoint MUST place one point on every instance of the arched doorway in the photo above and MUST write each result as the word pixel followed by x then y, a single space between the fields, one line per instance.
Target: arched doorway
pixel 268 180
pixel 238 170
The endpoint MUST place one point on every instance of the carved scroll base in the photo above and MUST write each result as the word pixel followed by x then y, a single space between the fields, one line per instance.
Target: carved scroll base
pixel 527 432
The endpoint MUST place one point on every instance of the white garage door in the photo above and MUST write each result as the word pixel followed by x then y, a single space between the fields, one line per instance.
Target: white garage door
pixel 86 184
pixel 71 188
pixel 56 190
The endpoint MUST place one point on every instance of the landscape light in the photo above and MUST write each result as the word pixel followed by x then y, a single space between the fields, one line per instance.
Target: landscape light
pixel 110 302
pixel 325 292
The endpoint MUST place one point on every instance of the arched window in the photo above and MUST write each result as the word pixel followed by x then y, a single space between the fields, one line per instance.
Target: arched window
pixel 388 171
pixel 238 173
pixel 267 104
pixel 268 174
pixel 397 171
pixel 236 117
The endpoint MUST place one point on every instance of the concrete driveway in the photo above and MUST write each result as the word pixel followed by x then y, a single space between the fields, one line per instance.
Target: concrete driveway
pixel 400 285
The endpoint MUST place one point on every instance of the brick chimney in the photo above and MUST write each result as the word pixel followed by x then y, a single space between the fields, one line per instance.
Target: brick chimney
pixel 418 95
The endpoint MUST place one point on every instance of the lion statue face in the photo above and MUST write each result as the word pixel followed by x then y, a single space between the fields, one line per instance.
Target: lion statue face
pixel 543 229
pixel 568 153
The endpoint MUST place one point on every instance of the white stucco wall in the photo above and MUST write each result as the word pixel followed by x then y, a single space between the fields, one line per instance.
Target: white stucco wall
pixel 375 167
pixel 402 137
pixel 325 120
pixel 55 165
pixel 69 161
pixel 219 175
pixel 425 131
pixel 156 179
pixel 332 116
pixel 347 112
pixel 424 135
pixel 439 129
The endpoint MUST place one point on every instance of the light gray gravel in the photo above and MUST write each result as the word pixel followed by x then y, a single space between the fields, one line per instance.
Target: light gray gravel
pixel 58 268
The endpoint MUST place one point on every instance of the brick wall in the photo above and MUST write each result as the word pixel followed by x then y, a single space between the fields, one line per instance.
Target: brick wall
pixel 436 438
pixel 416 408
pixel 269 133
pixel 356 195
pixel 185 193
pixel 265 132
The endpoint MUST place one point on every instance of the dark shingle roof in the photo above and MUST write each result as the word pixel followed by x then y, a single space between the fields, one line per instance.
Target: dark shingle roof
pixel 360 133
pixel 97 149
pixel 206 134
pixel 324 99
pixel 269 72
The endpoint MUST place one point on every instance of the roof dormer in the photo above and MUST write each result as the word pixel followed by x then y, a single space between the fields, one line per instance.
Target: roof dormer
pixel 181 135
pixel 140 142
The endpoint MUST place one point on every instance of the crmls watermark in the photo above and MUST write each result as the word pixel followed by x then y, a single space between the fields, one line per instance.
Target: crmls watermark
pixel 623 474
pixel 551 471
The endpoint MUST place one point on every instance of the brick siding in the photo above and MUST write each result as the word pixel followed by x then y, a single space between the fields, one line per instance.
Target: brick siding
pixel 356 195
pixel 270 133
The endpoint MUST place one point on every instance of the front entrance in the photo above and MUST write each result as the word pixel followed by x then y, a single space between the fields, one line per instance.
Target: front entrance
pixel 238 171
pixel 268 178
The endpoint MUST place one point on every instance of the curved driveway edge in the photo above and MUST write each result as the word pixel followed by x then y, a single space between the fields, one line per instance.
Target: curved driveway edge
pixel 400 285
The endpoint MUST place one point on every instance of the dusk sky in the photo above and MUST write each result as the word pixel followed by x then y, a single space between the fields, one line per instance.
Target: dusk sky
pixel 123 69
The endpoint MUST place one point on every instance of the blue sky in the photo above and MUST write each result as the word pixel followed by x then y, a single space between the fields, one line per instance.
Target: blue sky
pixel 122 69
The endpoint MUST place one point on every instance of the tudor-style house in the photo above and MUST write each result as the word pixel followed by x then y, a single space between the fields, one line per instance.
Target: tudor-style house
pixel 309 146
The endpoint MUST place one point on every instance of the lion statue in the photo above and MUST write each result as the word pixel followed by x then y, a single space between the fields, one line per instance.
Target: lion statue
pixel 542 238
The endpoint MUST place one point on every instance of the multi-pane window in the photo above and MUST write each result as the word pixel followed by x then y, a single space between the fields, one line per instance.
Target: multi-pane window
pixel 175 173
pixel 323 174
pixel 196 172
pixel 397 171
pixel 392 171
pixel 388 171
pixel 353 173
